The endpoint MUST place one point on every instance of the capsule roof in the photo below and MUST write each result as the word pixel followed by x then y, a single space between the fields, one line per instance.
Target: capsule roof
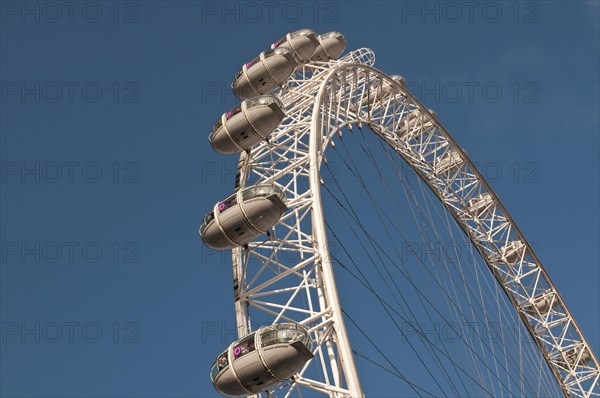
pixel 303 43
pixel 264 73
pixel 263 55
pixel 262 100
pixel 331 46
pixel 303 32
pixel 399 79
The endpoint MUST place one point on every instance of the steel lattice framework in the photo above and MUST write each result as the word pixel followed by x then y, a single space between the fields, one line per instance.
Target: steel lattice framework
pixel 289 275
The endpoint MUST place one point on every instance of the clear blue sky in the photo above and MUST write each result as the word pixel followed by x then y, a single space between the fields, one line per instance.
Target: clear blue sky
pixel 107 171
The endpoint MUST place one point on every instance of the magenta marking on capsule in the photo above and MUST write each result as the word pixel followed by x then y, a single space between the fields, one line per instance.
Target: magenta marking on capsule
pixel 237 351
pixel 221 206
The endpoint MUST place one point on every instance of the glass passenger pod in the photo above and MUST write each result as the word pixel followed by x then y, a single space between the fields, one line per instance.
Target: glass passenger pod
pixel 480 204
pixel 513 252
pixel 541 303
pixel 400 79
pixel 243 216
pixel 261 360
pixel 414 123
pixel 575 356
pixel 396 78
pixel 381 89
pixel 303 43
pixel 331 45
pixel 264 73
pixel 448 163
pixel 246 125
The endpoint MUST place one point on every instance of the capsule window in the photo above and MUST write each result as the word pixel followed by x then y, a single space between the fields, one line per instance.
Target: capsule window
pixel 248 193
pixel 331 34
pixel 268 337
pixel 280 41
pixel 222 361
pixel 220 364
pixel 238 75
pixel 233 112
pixel 253 62
pixel 214 371
pixel 253 192
pixel 282 333
pixel 301 32
pixel 262 100
pixel 245 346
pixel 227 203
pixel 276 51
pixel 287 333
pixel 276 191
pixel 208 218
pixel 216 127
pixel 264 190
pixel 304 337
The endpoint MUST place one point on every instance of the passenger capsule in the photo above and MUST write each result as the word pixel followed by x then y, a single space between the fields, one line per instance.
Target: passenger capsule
pixel 331 45
pixel 416 122
pixel 542 303
pixel 243 216
pixel 480 204
pixel 448 163
pixel 513 252
pixel 576 356
pixel 379 91
pixel 303 43
pixel 264 73
pixel 247 124
pixel 398 78
pixel 261 360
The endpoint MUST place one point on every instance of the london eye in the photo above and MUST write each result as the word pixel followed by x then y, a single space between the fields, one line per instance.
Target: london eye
pixel 292 222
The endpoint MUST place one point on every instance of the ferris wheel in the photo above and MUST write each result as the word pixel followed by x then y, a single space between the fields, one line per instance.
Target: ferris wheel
pixel 299 97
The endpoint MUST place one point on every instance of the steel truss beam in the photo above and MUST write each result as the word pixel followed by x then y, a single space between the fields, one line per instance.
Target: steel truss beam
pixel 288 275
